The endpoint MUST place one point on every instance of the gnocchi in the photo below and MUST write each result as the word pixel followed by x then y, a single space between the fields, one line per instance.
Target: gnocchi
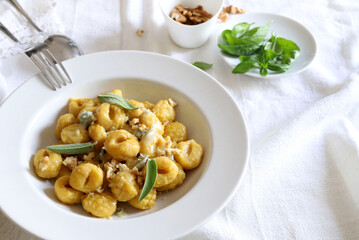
pixel 121 140
pixel 65 193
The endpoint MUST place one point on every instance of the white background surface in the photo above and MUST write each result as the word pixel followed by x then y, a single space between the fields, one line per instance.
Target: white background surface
pixel 302 181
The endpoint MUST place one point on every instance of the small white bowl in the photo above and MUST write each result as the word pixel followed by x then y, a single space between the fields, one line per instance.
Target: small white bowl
pixel 190 36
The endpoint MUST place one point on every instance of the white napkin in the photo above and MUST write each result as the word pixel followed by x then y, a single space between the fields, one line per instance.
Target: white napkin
pixel 43 13
pixel 302 180
pixel 3 89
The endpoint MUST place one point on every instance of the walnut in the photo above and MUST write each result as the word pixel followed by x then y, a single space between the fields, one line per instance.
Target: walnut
pixel 113 167
pixel 70 162
pixel 177 16
pixel 140 32
pixel 223 16
pixel 190 16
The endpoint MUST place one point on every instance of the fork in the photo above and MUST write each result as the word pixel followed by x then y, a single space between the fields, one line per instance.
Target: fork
pixel 44 60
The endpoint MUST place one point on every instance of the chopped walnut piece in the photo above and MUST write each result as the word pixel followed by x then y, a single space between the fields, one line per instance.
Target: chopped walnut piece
pixel 113 167
pixel 171 102
pixel 223 16
pixel 177 16
pixel 190 16
pixel 44 163
pixel 90 156
pixel 233 10
pixel 140 32
pixel 70 162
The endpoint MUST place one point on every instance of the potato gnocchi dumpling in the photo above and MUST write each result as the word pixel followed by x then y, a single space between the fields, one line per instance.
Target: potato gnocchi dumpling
pixel 100 205
pixel 164 110
pixel 47 164
pixel 110 116
pixel 190 154
pixel 181 175
pixel 86 177
pixel 75 133
pixel 147 203
pixel 65 193
pixel 64 121
pixel 113 170
pixel 167 171
pixel 176 131
pixel 122 145
pixel 76 105
pixel 124 186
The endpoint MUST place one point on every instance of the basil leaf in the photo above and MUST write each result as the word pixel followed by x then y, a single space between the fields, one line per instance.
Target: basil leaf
pixel 116 99
pixel 289 50
pixel 275 54
pixel 151 175
pixel 244 67
pixel 241 28
pixel 71 149
pixel 263 72
pixel 278 67
pixel 202 65
pixel 255 35
pixel 238 50
pixel 224 34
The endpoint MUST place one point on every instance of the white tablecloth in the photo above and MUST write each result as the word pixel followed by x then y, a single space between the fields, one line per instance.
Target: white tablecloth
pixel 302 181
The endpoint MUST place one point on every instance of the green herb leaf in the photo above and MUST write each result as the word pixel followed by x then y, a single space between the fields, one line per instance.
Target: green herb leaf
pixel 275 54
pixel 254 35
pixel 202 65
pixel 116 99
pixel 151 175
pixel 238 50
pixel 71 149
pixel 241 28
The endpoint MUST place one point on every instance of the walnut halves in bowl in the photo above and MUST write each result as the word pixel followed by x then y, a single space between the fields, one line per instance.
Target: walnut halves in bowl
pixel 190 16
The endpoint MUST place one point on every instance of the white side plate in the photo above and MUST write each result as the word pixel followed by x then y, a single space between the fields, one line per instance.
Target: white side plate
pixel 284 27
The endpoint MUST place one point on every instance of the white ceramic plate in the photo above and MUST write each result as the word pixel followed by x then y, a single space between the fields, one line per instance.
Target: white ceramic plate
pixel 28 119
pixel 284 27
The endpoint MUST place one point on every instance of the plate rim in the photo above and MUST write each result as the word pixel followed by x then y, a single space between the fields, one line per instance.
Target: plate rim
pixel 108 53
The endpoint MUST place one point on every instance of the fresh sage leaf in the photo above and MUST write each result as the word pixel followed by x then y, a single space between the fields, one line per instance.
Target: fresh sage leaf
pixel 151 176
pixel 202 65
pixel 71 149
pixel 116 99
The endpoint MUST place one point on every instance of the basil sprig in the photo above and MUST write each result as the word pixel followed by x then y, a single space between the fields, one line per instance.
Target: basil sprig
pixel 202 65
pixel 257 52
pixel 71 149
pixel 116 99
pixel 151 175
pixel 276 55
pixel 242 40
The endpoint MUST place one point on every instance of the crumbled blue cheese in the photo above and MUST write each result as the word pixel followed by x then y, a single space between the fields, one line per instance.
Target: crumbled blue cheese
pixel 121 212
pixel 142 159
pixel 86 118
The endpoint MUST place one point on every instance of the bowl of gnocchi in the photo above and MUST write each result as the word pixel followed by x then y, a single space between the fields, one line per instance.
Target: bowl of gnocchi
pixel 121 149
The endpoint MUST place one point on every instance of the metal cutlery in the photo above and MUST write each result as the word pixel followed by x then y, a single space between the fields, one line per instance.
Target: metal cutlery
pixel 51 68
pixel 62 46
